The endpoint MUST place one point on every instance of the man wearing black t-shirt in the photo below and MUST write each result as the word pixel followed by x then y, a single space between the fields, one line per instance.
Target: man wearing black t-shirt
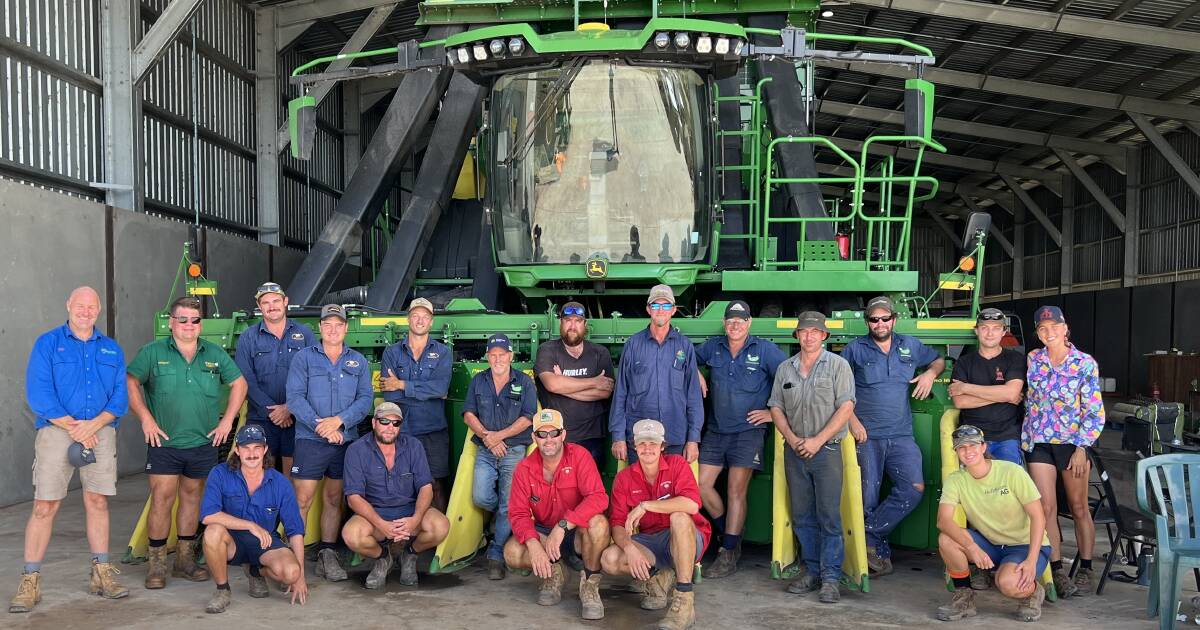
pixel 576 380
pixel 987 384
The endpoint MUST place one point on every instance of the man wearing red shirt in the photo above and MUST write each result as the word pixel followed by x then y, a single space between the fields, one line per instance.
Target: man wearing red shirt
pixel 556 491
pixel 658 533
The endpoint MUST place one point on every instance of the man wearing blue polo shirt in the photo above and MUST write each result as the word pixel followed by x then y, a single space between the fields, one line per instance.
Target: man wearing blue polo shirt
pixel 741 369
pixel 415 374
pixel 499 410
pixel 264 354
pixel 657 378
pixel 244 502
pixel 329 392
pixel 884 365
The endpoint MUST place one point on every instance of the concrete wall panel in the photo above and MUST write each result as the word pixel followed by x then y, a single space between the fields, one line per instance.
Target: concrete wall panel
pixel 238 265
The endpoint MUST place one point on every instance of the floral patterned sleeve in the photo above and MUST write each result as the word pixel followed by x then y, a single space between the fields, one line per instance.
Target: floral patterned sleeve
pixel 1091 405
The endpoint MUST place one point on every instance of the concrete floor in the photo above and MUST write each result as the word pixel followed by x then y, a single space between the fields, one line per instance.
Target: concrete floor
pixel 749 599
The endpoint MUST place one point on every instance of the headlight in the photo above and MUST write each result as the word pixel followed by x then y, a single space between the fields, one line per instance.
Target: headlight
pixel 722 45
pixel 480 52
pixel 661 40
pixel 464 56
pixel 704 44
pixel 516 45
pixel 737 48
pixel 682 40
pixel 497 47
pixel 451 57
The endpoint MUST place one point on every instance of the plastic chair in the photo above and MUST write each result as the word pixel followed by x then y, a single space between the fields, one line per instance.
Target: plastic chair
pixel 1175 482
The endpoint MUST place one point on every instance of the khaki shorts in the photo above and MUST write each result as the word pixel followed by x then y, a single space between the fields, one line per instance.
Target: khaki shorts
pixel 52 470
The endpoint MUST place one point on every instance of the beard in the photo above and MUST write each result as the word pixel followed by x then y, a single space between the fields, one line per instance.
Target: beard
pixel 881 336
pixel 572 338
pixel 385 440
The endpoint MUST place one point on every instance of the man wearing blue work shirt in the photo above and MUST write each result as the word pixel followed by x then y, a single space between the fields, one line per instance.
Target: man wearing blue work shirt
pixel 499 409
pixel 264 354
pixel 244 502
pixel 884 365
pixel 329 392
pixel 415 374
pixel 75 386
pixel 657 379
pixel 741 370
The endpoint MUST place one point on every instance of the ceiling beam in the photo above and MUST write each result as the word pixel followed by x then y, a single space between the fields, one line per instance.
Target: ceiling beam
pixel 1094 189
pixel 1168 152
pixel 1034 208
pixel 312 10
pixel 999 197
pixel 1051 179
pixel 159 37
pixel 285 36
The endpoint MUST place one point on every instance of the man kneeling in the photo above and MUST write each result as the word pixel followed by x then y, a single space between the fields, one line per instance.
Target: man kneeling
pixel 556 506
pixel 390 490
pixel 1006 525
pixel 243 503
pixel 658 533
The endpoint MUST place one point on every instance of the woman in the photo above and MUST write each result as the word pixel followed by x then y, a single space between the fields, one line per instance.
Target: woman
pixel 1064 415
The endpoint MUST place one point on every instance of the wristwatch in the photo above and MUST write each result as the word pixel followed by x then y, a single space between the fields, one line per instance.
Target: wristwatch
pixel 564 524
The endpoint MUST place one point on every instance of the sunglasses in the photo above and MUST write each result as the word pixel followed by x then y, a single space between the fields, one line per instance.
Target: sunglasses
pixel 991 317
pixel 966 431
pixel 183 319
pixel 573 311
pixel 658 306
pixel 387 422
pixel 884 318
pixel 552 433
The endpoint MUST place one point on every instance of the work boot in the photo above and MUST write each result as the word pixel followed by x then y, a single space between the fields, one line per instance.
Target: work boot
pixel 185 563
pixel 589 596
pixel 156 571
pixel 725 564
pixel 29 593
pixel 877 566
pixel 1063 584
pixel 379 571
pixel 1031 607
pixel 1083 581
pixel 980 579
pixel 104 581
pixel 220 601
pixel 329 567
pixel 806 583
pixel 829 593
pixel 408 568
pixel 962 605
pixel 495 569
pixel 258 588
pixel 682 614
pixel 658 590
pixel 550 592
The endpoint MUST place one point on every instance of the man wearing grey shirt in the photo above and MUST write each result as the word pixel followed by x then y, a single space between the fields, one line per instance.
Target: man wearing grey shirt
pixel 811 403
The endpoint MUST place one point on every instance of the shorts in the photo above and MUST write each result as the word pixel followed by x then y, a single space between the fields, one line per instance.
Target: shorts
pixel 1007 450
pixel 315 459
pixel 1057 455
pixel 248 550
pixel 567 546
pixel 52 471
pixel 393 513
pixel 280 442
pixel 659 544
pixel 437 452
pixel 728 450
pixel 1015 554
pixel 193 463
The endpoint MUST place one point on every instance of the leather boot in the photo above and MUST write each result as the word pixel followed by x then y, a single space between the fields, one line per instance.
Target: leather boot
pixel 156 573
pixel 185 563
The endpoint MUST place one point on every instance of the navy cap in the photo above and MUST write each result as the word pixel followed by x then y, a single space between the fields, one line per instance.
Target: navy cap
pixel 499 340
pixel 737 309
pixel 1049 312
pixel 251 434
pixel 80 456
pixel 333 310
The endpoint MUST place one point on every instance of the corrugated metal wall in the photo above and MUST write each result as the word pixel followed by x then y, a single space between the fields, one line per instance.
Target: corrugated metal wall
pixel 1169 241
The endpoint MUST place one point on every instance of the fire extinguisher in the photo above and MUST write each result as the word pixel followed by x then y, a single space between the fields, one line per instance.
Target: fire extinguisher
pixel 843 244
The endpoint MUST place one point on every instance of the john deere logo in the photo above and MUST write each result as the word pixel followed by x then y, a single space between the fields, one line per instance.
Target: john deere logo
pixel 597 268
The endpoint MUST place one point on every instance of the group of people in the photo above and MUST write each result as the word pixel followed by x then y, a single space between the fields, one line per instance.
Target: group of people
pixel 308 403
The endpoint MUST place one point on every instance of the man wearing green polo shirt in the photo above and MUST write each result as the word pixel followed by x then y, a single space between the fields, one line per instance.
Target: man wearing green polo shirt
pixel 183 425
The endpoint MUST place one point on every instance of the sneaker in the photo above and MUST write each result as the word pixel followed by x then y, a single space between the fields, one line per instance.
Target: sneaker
pixel 408 568
pixel 1031 607
pixel 1063 584
pixel 725 564
pixel 829 593
pixel 29 593
pixel 961 606
pixel 1083 581
pixel 980 579
pixel 379 571
pixel 495 569
pixel 219 602
pixel 658 590
pixel 589 596
pixel 104 581
pixel 806 583
pixel 329 567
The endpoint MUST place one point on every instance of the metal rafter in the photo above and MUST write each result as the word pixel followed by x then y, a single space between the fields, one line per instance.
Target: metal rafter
pixel 1034 208
pixel 160 36
pixel 304 12
pixel 1051 179
pixel 1093 188
pixel 1168 152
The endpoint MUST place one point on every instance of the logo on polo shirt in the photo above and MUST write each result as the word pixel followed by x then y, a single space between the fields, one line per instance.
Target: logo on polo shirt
pixel 517 389
pixel 999 375
pixel 212 365
pixel 351 363
pixel 752 358
pixel 298 336
pixel 433 355
pixel 567 470
pixel 62 349
pixel 905 351
pixel 104 351
pixel 679 356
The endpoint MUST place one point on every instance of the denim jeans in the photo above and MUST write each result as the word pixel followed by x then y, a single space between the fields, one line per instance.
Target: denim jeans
pixel 815 497
pixel 1007 450
pixel 493 480
pixel 900 459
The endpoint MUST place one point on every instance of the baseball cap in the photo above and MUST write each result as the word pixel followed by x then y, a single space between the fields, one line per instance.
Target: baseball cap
pixel 333 310
pixel 811 319
pixel 547 418
pixel 499 340
pixel 661 292
pixel 1052 313
pixel 737 308
pixel 251 434
pixel 881 301
pixel 573 309
pixel 385 409
pixel 991 315
pixel 80 456
pixel 648 430
pixel 268 287
pixel 421 303
pixel 967 434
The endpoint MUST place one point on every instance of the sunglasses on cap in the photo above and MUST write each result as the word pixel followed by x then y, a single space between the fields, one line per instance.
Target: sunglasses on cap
pixel 881 318
pixel 552 433
pixel 966 431
pixel 184 319
pixel 573 311
pixel 661 306
pixel 388 421
pixel 991 317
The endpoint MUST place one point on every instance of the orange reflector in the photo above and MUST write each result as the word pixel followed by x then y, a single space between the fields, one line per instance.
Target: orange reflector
pixel 193 270
pixel 967 263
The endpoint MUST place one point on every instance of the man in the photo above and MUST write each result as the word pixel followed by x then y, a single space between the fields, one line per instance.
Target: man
pixel 498 408
pixel 416 376
pixel 658 379
pixel 576 380
pixel 183 425
pixel 741 368
pixel 244 503
pixel 987 385
pixel 1007 529
pixel 75 386
pixel 812 399
pixel 658 533
pixel 264 354
pixel 884 365
pixel 329 392
pixel 557 508
pixel 389 488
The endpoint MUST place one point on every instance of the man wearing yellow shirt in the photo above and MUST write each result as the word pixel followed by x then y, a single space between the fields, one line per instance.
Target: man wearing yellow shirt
pixel 1006 529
